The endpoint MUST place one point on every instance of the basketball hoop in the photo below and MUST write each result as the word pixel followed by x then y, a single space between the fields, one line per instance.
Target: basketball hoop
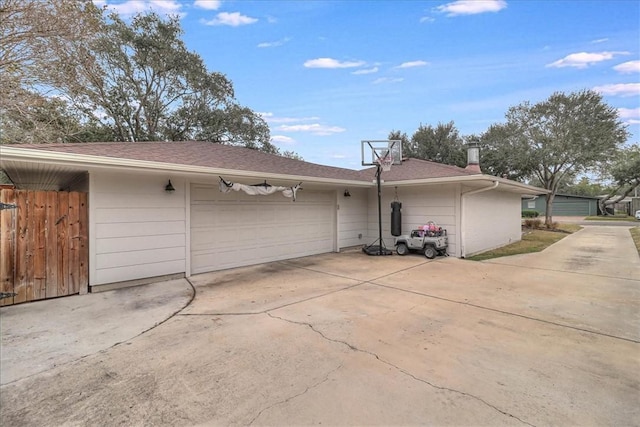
pixel 385 163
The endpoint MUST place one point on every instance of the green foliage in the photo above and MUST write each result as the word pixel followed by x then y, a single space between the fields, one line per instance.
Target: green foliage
pixel 116 80
pixel 530 214
pixel 442 144
pixel 291 155
pixel 624 169
pixel 585 187
pixel 555 139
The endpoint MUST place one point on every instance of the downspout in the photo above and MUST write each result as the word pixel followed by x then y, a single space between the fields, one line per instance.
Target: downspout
pixel 463 250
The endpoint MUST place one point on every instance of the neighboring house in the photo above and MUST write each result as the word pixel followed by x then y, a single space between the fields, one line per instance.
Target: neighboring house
pixel 137 230
pixel 563 205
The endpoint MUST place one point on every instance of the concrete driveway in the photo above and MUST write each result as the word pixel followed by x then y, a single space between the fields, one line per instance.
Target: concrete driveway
pixel 345 339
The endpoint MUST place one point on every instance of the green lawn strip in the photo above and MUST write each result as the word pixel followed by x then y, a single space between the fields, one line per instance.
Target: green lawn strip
pixel 635 235
pixel 532 241
pixel 610 218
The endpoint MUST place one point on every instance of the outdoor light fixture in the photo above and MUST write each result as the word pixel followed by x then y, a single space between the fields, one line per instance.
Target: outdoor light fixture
pixel 169 188
pixel 346 193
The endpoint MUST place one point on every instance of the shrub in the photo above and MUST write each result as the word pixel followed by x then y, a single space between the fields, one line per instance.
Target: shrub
pixel 552 226
pixel 530 214
pixel 532 223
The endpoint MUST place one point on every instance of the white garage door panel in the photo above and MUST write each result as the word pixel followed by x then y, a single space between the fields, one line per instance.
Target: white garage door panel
pixel 232 230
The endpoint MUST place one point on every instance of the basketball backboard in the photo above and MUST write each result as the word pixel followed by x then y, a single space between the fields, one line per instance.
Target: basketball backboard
pixel 375 150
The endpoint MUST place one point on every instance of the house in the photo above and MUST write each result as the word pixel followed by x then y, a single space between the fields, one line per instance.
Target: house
pixel 563 205
pixel 139 232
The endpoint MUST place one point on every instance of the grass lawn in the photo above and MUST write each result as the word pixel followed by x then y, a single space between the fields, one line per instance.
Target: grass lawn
pixel 532 241
pixel 610 218
pixel 635 235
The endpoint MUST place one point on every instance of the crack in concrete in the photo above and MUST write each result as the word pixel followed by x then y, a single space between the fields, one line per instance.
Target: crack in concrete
pixel 399 369
pixel 508 313
pixel 288 399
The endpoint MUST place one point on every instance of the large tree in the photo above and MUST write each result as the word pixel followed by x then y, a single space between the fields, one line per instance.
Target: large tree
pixel 30 30
pixel 624 171
pixel 100 76
pixel 140 80
pixel 442 144
pixel 561 136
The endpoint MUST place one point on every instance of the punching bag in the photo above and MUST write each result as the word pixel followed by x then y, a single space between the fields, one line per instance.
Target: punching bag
pixel 396 218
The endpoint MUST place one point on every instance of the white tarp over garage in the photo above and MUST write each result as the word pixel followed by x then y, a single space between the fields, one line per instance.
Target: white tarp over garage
pixel 235 229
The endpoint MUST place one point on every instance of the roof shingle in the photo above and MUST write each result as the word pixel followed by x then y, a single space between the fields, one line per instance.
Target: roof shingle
pixel 207 154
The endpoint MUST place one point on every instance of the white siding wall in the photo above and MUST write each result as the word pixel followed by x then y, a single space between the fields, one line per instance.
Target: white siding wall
pixel 352 218
pixel 437 203
pixel 138 229
pixel 492 219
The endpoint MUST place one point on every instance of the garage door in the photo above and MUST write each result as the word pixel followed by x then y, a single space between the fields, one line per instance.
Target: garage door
pixel 235 229
pixel 571 208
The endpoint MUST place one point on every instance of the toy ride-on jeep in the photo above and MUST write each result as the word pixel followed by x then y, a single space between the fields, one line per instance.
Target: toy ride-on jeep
pixel 429 240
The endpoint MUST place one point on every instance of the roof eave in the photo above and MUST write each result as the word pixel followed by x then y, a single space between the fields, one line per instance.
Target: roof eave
pixel 116 163
pixel 523 188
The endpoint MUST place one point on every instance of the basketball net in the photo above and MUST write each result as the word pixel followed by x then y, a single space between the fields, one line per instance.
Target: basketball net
pixel 385 163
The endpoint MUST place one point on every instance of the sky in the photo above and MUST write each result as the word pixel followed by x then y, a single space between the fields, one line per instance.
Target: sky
pixel 326 75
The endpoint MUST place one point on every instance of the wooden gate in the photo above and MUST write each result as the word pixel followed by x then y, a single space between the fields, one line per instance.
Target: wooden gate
pixel 43 245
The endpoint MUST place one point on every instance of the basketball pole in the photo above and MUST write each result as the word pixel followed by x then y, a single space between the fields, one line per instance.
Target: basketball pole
pixel 378 173
pixel 379 249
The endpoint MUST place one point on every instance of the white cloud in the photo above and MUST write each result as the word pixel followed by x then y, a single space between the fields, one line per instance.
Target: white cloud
pixel 584 59
pixel 366 71
pixel 629 67
pixel 387 80
pixel 234 19
pixel 599 41
pixel 283 140
pixel 426 19
pixel 332 63
pixel 629 113
pixel 471 7
pixel 274 44
pixel 412 64
pixel 208 4
pixel 620 89
pixel 315 129
pixel 271 118
pixel 131 7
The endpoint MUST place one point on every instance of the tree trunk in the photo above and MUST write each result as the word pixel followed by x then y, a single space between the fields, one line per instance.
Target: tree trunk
pixel 548 219
pixel 606 201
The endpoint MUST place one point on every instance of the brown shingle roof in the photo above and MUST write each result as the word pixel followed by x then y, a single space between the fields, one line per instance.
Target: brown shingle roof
pixel 411 169
pixel 206 154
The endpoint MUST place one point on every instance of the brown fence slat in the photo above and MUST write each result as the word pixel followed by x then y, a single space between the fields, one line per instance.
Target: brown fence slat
pixel 52 245
pixel 84 243
pixel 7 245
pixel 74 242
pixel 38 220
pixel 62 243
pixel 22 247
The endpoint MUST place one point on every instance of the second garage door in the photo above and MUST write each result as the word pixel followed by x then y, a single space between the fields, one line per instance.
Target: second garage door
pixel 571 208
pixel 235 229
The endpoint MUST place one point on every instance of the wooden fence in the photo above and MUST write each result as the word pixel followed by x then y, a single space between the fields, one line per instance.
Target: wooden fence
pixel 43 245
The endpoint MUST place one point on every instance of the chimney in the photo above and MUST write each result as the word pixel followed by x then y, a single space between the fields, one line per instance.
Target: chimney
pixel 473 157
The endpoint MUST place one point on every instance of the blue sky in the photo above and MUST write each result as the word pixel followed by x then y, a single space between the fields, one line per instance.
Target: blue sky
pixel 328 74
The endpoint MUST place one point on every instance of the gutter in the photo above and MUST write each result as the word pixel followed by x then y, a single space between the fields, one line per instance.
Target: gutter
pixel 463 251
